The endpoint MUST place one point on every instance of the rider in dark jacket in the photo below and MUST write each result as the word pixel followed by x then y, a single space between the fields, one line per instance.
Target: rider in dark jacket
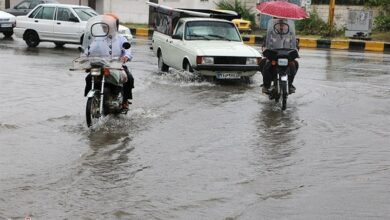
pixel 280 34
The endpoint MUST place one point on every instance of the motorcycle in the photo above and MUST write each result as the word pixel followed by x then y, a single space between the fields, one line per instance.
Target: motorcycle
pixel 280 59
pixel 105 69
pixel 281 52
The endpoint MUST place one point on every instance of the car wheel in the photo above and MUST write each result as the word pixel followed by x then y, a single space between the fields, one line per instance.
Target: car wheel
pixel 32 39
pixel 161 65
pixel 59 44
pixel 8 34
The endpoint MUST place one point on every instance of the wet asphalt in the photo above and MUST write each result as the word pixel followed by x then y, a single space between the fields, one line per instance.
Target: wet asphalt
pixel 193 149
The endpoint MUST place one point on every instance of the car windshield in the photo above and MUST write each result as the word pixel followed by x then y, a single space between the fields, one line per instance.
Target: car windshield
pixel 85 13
pixel 211 30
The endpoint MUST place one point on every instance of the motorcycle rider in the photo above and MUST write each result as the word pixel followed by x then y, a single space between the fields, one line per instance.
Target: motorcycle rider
pixel 280 34
pixel 99 47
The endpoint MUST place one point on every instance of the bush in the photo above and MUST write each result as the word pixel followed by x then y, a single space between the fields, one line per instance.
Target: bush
pixel 314 25
pixel 382 23
pixel 240 8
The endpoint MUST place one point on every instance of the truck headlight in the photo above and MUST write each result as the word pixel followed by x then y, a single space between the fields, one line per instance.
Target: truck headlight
pixel 204 60
pixel 208 60
pixel 252 61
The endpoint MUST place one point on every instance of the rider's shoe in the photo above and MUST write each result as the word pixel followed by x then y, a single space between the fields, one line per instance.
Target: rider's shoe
pixel 291 89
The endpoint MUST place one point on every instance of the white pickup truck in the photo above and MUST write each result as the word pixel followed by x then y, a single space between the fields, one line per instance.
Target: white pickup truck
pixel 208 46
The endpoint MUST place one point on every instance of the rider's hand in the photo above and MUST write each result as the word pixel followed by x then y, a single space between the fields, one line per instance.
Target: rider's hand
pixel 124 59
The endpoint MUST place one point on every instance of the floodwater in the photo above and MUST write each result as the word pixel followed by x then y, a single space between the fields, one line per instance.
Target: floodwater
pixel 190 149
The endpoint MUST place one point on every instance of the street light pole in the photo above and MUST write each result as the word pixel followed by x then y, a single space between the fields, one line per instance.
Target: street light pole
pixel 332 4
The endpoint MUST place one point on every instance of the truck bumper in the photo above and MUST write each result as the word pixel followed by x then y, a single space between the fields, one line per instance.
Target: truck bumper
pixel 239 70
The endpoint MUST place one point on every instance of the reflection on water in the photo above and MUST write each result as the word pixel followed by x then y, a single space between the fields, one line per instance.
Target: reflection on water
pixel 277 131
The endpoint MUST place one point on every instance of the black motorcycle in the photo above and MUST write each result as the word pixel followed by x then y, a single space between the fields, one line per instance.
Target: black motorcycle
pixel 281 63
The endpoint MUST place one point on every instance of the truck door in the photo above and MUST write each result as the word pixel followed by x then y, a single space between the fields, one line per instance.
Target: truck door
pixel 174 46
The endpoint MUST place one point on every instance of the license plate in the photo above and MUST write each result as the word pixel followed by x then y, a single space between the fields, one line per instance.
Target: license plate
pixel 284 78
pixel 282 62
pixel 228 76
pixel 5 25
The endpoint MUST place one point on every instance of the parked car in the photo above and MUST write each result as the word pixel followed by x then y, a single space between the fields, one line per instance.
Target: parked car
pixel 57 23
pixel 243 25
pixel 208 46
pixel 7 23
pixel 26 6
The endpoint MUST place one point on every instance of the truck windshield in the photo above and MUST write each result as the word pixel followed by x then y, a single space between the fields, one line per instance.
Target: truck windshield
pixel 211 30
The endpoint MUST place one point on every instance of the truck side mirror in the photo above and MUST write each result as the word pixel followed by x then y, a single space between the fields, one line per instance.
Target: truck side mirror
pixel 177 36
pixel 126 45
pixel 73 19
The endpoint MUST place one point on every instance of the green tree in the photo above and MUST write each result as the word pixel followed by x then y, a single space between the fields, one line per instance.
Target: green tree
pixel 382 21
pixel 239 7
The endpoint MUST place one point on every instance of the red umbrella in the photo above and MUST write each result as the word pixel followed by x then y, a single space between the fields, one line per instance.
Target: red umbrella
pixel 282 9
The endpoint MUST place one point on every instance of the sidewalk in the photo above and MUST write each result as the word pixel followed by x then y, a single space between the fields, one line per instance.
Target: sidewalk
pixel 357 45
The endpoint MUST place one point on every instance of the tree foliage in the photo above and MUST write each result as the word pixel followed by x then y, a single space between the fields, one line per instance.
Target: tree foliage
pixel 314 25
pixel 382 21
pixel 239 7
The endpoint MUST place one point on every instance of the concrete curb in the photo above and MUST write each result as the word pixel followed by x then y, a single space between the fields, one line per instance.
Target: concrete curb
pixel 375 46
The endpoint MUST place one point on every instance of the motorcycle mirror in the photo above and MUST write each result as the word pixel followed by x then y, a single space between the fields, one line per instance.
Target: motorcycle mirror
pixel 126 45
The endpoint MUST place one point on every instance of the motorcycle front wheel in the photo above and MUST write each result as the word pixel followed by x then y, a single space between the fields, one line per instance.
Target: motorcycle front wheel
pixel 92 110
pixel 283 86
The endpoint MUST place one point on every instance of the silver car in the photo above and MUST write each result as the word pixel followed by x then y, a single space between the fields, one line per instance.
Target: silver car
pixel 7 23
pixel 26 6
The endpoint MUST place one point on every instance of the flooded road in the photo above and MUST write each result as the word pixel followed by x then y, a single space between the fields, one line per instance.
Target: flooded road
pixel 190 149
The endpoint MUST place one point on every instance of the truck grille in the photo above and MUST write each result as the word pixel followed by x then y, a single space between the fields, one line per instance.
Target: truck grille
pixel 230 60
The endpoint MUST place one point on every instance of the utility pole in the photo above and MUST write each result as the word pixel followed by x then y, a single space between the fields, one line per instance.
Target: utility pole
pixel 332 4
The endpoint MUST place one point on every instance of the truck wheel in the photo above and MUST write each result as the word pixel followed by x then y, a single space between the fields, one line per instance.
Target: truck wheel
pixel 188 67
pixel 161 65
pixel 32 39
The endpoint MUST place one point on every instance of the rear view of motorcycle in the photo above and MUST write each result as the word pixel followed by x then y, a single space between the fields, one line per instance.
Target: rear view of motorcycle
pixel 101 59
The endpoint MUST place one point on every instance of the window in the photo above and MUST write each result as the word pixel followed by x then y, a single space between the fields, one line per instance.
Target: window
pixel 33 4
pixel 179 29
pixel 85 13
pixel 35 12
pixel 23 5
pixel 46 13
pixel 206 30
pixel 63 14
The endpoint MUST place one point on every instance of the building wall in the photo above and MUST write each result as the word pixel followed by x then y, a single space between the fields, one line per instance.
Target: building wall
pixel 2 4
pixel 340 14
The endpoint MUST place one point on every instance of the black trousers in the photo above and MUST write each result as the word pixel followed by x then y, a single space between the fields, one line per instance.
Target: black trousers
pixel 268 72
pixel 127 87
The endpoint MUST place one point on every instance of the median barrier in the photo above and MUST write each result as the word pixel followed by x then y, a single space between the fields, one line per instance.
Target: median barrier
pixel 354 45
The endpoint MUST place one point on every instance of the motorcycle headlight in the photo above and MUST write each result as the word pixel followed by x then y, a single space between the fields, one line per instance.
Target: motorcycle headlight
pixel 95 72
pixel 251 61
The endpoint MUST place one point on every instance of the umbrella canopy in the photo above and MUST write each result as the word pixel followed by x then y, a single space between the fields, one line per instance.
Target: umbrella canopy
pixel 282 9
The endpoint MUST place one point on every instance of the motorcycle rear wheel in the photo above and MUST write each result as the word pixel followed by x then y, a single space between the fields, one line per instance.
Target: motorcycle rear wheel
pixel 92 110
